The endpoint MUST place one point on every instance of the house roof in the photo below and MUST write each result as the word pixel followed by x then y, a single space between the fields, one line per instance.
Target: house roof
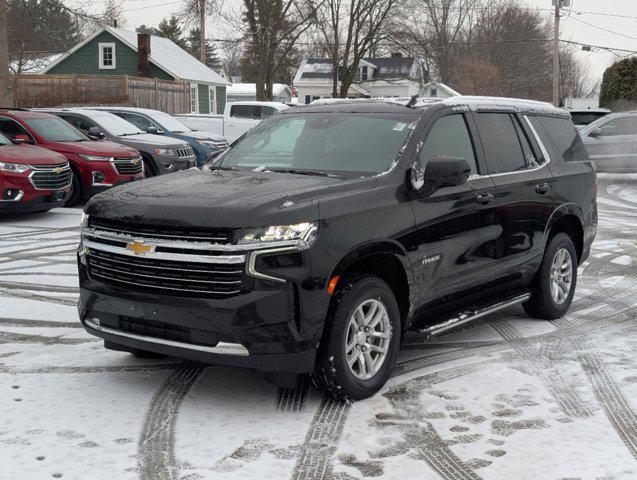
pixel 164 53
pixel 319 70
pixel 251 89
pixel 441 86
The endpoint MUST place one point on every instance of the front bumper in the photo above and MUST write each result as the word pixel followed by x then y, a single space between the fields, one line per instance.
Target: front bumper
pixel 91 190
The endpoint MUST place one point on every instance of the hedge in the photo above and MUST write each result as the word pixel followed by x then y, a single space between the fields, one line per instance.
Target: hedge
pixel 619 86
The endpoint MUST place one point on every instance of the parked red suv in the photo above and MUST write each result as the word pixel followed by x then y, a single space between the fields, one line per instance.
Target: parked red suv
pixel 32 179
pixel 96 164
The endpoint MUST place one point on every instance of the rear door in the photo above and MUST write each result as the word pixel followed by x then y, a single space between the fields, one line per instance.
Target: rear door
pixel 524 191
pixel 455 226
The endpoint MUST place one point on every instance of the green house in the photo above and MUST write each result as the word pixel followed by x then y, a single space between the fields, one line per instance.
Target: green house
pixel 113 51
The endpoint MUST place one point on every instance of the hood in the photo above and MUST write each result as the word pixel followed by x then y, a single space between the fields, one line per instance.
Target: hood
pixel 30 155
pixel 199 135
pixel 223 199
pixel 100 147
pixel 154 140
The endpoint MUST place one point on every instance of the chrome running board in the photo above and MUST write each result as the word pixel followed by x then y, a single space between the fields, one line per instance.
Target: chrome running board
pixel 471 315
pixel 222 348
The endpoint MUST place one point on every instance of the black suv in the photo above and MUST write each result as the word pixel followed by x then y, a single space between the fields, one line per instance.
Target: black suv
pixel 319 238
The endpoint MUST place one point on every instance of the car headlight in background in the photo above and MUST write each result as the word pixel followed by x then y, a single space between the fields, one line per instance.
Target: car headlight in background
pixel 164 151
pixel 304 233
pixel 13 167
pixel 212 144
pixel 96 158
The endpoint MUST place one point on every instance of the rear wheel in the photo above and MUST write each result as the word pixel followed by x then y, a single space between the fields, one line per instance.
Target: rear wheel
pixel 554 286
pixel 361 340
pixel 76 190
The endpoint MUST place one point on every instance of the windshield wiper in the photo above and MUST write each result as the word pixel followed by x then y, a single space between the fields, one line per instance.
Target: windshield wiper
pixel 303 172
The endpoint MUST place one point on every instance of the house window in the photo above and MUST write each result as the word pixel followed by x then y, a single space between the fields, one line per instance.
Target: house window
pixel 308 99
pixel 364 72
pixel 194 98
pixel 211 96
pixel 107 56
pixel 433 92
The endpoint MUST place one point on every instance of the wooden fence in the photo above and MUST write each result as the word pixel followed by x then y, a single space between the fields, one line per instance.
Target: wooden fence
pixel 43 91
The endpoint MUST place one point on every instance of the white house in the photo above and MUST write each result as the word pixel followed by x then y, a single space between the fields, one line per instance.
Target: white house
pixel 395 76
pixel 247 92
pixel 438 90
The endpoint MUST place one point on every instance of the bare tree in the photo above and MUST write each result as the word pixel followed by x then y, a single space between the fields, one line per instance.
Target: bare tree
pixel 6 93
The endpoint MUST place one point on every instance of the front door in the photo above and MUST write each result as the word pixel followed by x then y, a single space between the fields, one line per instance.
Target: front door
pixel 524 191
pixel 456 226
pixel 615 148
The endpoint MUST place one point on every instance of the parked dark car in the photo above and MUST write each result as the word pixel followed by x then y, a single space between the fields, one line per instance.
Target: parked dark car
pixel 314 242
pixel 160 155
pixel 95 165
pixel 154 121
pixel 32 179
pixel 585 116
pixel 611 142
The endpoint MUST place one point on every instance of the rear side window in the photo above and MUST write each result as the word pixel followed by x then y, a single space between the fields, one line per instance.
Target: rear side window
pixel 501 142
pixel 449 137
pixel 559 136
pixel 246 111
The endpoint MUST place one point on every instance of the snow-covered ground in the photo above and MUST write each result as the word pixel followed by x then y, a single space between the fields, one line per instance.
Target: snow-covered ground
pixel 510 398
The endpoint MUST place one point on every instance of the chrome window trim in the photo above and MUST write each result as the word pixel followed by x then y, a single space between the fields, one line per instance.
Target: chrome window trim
pixel 178 257
pixel 222 348
pixel 251 266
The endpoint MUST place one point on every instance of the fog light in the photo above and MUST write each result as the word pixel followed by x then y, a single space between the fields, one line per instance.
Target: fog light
pixel 12 195
pixel 168 166
pixel 98 177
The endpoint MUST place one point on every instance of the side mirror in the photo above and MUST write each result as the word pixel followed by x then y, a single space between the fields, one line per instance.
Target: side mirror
pixel 94 133
pixel 21 138
pixel 441 171
pixel 596 132
pixel 152 130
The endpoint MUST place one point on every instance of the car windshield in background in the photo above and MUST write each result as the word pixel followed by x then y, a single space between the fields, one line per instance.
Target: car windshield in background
pixel 586 117
pixel 114 125
pixel 55 129
pixel 342 144
pixel 169 122
pixel 5 141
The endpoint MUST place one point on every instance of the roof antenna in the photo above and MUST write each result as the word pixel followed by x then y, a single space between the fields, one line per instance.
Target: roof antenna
pixel 413 101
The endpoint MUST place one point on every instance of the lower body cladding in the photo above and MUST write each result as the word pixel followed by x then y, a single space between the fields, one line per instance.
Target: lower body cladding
pixel 266 327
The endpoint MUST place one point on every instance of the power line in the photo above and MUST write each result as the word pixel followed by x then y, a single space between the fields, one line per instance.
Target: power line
pixel 602 28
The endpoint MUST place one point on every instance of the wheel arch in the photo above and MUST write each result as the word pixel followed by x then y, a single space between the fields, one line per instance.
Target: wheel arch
pixel 568 218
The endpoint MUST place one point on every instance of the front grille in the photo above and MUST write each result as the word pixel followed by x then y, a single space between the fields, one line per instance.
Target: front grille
pixel 186 152
pixel 216 235
pixel 128 166
pixel 56 177
pixel 165 276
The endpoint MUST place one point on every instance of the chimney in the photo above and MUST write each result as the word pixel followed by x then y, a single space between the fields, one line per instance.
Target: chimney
pixel 143 54
pixel 114 23
pixel 396 55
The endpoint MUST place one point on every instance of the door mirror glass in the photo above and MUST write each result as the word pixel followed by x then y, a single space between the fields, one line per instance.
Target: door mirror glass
pixel 95 134
pixel 21 138
pixel 441 171
pixel 596 132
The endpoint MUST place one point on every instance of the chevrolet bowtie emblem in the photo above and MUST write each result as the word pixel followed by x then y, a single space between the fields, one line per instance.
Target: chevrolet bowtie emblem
pixel 58 170
pixel 138 248
pixel 134 161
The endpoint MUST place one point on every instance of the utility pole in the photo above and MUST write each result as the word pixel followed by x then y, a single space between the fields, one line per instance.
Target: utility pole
pixel 556 54
pixel 6 92
pixel 202 31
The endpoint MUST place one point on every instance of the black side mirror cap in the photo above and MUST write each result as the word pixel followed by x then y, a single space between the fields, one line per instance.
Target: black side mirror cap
pixel 441 171
pixel 94 133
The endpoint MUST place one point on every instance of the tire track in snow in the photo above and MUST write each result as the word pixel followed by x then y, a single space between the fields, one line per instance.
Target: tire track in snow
pixel 293 399
pixel 156 448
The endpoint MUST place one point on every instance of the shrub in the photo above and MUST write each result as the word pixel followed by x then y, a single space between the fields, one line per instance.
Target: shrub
pixel 619 86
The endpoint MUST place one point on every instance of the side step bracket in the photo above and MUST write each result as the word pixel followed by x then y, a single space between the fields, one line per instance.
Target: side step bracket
pixel 467 316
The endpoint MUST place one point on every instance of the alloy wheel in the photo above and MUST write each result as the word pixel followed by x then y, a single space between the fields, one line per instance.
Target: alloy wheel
pixel 561 276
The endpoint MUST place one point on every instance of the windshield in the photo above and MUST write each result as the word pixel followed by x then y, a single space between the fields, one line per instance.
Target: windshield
pixel 169 123
pixel 113 124
pixel 585 118
pixel 4 140
pixel 342 144
pixel 54 129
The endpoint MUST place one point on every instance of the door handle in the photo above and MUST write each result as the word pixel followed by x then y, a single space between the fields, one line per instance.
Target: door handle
pixel 542 188
pixel 484 199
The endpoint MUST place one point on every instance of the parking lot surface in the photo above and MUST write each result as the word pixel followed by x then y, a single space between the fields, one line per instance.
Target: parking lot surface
pixel 508 397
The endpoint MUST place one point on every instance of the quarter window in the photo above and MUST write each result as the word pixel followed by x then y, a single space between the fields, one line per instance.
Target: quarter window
pixel 501 143
pixel 449 137
pixel 107 56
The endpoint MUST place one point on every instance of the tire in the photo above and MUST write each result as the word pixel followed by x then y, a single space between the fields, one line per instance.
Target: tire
pixel 77 193
pixel 332 372
pixel 148 169
pixel 543 302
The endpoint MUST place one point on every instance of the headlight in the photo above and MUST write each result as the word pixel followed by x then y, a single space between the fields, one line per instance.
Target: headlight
pixel 303 232
pixel 209 143
pixel 13 167
pixel 164 151
pixel 96 158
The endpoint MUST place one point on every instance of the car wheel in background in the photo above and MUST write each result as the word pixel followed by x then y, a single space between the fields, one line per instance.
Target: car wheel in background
pixel 361 339
pixel 554 285
pixel 76 190
pixel 148 169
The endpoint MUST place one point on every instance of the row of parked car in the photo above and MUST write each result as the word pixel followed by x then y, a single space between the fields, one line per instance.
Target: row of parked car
pixel 56 157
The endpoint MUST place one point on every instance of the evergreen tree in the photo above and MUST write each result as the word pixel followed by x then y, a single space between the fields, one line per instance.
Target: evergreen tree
pixel 212 58
pixel 171 29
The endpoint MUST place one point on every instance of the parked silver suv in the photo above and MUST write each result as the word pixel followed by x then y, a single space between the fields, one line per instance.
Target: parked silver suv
pixel 611 142
pixel 161 154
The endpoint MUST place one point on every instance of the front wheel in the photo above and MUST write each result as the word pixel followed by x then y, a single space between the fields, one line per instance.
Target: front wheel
pixel 554 286
pixel 76 190
pixel 361 340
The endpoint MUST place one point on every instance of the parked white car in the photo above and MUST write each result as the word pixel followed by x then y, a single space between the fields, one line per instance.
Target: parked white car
pixel 237 119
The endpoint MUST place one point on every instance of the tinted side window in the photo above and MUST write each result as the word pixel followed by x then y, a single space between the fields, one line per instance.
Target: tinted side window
pixel 501 142
pixel 560 137
pixel 529 156
pixel 78 122
pixel 245 111
pixel 267 112
pixel 449 137
pixel 139 121
pixel 11 128
pixel 620 126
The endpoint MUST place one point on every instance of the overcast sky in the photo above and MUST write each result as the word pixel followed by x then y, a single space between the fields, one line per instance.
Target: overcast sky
pixel 150 12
